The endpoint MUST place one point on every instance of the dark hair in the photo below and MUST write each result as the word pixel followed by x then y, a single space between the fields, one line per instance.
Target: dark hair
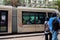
pixel 46 19
pixel 54 15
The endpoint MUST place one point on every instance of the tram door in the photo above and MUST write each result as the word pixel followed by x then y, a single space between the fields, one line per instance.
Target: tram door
pixel 3 21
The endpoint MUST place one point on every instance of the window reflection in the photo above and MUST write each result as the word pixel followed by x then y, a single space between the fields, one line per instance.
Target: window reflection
pixel 3 21
pixel 25 19
pixel 3 17
pixel 33 17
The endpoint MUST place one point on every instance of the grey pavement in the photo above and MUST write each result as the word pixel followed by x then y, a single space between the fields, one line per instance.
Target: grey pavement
pixel 36 36
pixel 21 35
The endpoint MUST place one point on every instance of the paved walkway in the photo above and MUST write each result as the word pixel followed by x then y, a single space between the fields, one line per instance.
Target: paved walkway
pixel 36 36
pixel 28 38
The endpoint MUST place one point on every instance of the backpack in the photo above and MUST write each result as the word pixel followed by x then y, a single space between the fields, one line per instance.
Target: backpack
pixel 55 24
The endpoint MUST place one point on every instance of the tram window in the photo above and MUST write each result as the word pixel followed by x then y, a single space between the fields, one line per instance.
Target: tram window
pixel 25 19
pixel 2 28
pixel 28 18
pixel 40 18
pixel 51 13
pixel 3 20
pixel 33 17
pixel 3 17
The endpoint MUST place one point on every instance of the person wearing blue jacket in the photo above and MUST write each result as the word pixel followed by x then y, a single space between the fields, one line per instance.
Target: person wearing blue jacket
pixel 54 33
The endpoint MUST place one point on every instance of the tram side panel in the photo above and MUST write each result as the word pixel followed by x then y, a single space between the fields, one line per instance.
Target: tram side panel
pixel 27 28
pixel 19 21
pixel 24 28
pixel 5 19
pixel 21 27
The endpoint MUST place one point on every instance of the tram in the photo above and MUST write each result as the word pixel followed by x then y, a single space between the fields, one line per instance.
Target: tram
pixel 5 19
pixel 23 19
pixel 32 19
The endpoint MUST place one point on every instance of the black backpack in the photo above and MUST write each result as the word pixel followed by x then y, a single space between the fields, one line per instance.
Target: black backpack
pixel 55 24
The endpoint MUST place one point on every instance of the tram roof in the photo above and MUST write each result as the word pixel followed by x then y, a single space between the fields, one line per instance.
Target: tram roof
pixel 38 9
pixel 3 6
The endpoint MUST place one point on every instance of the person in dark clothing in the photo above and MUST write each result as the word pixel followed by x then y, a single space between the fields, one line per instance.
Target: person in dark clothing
pixel 47 31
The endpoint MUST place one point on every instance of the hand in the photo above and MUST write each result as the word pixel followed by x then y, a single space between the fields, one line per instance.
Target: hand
pixel 50 31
